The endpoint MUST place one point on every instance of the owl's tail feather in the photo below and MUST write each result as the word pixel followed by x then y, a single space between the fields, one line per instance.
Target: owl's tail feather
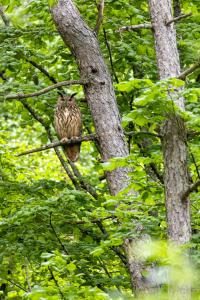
pixel 72 152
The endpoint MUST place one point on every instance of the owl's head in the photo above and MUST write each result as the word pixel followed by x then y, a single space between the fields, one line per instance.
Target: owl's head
pixel 65 100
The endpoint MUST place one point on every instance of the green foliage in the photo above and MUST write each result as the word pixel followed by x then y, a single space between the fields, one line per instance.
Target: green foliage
pixel 57 242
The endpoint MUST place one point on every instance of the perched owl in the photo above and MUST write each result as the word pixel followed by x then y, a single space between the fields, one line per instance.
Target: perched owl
pixel 68 124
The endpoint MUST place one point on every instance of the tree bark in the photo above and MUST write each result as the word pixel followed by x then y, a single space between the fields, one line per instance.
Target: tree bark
pixel 99 91
pixel 174 133
pixel 100 95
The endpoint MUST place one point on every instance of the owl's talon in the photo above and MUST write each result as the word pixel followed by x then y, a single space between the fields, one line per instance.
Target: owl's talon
pixel 63 140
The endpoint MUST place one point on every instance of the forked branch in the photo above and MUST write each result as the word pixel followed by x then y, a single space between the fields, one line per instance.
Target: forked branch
pixel 191 189
pixel 178 18
pixel 190 70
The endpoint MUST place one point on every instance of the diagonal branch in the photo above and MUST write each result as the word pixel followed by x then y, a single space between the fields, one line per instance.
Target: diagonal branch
pixel 45 90
pixel 100 7
pixel 110 55
pixel 135 27
pixel 178 18
pixel 4 18
pixel 41 69
pixel 191 189
pixel 60 143
pixel 189 71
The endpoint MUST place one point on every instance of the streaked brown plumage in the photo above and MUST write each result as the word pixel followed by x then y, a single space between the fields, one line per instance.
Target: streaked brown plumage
pixel 68 124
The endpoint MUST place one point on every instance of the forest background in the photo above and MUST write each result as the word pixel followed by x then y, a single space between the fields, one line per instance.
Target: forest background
pixel 62 234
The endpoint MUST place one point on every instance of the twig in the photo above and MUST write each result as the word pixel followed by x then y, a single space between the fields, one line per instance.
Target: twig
pixel 92 221
pixel 134 133
pixel 17 285
pixel 3 16
pixel 45 90
pixel 100 7
pixel 41 69
pixel 135 27
pixel 189 71
pixel 27 275
pixel 56 282
pixel 60 143
pixel 178 18
pixel 110 54
pixel 191 189
pixel 83 184
pixel 56 235
pixel 196 166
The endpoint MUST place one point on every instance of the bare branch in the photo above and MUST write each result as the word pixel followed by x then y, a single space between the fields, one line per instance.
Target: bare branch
pixel 56 235
pixel 100 7
pixel 189 71
pixel 134 133
pixel 41 69
pixel 45 90
pixel 3 16
pixel 135 27
pixel 56 283
pixel 79 222
pixel 178 18
pixel 82 182
pixel 17 285
pixel 110 55
pixel 191 189
pixel 78 140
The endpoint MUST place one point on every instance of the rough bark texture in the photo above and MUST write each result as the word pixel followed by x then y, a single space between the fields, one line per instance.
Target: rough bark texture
pixel 174 132
pixel 99 90
pixel 100 95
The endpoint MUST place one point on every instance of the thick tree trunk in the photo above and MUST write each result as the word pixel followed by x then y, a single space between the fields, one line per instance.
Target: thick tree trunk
pixel 99 91
pixel 100 95
pixel 174 132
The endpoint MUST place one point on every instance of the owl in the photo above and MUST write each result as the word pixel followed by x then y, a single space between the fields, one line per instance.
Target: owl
pixel 68 124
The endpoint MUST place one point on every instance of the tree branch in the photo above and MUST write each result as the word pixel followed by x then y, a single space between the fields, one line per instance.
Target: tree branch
pixel 45 90
pixel 60 143
pixel 56 283
pixel 110 55
pixel 135 27
pixel 79 222
pixel 82 182
pixel 56 235
pixel 178 18
pixel 3 16
pixel 191 189
pixel 189 71
pixel 134 133
pixel 100 7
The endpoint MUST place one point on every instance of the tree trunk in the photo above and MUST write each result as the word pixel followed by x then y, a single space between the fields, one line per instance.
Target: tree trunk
pixel 99 91
pixel 174 131
pixel 100 95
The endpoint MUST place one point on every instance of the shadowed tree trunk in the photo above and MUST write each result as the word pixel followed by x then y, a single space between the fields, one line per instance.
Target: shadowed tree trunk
pixel 99 91
pixel 174 132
